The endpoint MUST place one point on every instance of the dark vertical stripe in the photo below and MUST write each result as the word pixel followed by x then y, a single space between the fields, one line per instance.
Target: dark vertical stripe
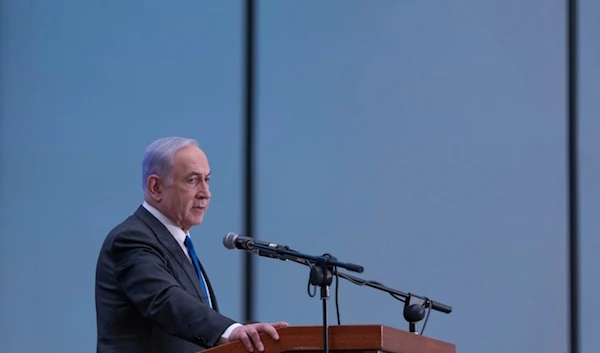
pixel 573 177
pixel 248 146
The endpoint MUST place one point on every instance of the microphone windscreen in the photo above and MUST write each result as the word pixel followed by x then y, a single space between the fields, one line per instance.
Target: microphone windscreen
pixel 229 240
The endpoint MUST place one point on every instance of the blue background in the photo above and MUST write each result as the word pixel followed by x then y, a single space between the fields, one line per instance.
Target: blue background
pixel 425 141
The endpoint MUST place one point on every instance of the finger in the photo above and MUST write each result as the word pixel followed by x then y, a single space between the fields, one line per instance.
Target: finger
pixel 280 324
pixel 256 340
pixel 270 330
pixel 246 341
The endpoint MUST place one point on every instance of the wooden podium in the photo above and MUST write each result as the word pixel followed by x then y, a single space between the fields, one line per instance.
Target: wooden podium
pixel 344 339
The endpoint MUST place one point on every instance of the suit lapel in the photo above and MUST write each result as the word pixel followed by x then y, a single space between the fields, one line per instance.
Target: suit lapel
pixel 166 239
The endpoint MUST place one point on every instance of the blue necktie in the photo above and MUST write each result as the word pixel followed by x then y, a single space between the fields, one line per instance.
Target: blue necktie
pixel 196 263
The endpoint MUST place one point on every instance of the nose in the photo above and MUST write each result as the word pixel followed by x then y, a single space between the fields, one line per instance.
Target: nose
pixel 203 191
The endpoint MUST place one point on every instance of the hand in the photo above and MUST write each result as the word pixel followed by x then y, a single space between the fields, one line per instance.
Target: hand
pixel 248 334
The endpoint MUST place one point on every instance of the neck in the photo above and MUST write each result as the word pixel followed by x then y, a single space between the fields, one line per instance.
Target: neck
pixel 156 205
pixel 160 209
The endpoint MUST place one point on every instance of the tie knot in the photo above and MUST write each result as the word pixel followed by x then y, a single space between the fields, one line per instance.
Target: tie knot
pixel 188 242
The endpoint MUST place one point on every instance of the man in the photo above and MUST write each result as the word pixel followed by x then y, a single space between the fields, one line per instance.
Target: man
pixel 152 293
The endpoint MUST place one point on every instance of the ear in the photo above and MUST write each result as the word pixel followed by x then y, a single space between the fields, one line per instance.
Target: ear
pixel 154 187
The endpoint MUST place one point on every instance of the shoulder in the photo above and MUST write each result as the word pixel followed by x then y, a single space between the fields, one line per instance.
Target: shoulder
pixel 131 233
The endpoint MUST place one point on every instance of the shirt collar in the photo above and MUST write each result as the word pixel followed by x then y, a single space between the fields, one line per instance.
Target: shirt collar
pixel 177 232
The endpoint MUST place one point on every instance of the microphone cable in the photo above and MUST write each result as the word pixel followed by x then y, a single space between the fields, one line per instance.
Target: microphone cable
pixel 428 306
pixel 337 291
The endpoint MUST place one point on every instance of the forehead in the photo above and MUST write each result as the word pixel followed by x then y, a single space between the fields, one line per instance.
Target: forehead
pixel 190 159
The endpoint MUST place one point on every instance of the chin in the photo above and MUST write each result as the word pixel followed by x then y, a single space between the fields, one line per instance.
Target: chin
pixel 196 220
pixel 196 216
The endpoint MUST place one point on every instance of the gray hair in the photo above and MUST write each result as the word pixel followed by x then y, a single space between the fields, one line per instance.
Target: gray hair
pixel 159 155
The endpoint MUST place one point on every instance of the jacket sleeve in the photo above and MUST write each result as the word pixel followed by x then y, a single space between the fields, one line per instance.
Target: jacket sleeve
pixel 144 278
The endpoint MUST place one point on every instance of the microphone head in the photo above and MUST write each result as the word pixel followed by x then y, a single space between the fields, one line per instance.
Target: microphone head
pixel 229 240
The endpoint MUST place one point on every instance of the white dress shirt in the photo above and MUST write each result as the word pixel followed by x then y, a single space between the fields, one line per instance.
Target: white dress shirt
pixel 179 236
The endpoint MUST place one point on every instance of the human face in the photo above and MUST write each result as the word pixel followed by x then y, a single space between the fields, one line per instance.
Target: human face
pixel 185 198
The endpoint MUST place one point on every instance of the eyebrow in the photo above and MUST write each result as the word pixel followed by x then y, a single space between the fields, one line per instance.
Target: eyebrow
pixel 198 174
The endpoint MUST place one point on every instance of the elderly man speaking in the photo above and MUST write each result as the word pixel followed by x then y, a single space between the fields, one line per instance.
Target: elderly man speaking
pixel 152 293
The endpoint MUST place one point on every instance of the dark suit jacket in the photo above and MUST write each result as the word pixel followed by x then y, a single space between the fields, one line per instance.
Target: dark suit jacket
pixel 148 296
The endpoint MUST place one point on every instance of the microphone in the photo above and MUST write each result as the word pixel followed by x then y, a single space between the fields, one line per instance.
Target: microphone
pixel 236 241
pixel 282 252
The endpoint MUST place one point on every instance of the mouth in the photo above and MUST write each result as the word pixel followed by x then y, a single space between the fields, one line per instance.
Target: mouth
pixel 201 205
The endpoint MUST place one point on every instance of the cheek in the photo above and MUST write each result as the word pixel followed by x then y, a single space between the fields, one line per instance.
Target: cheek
pixel 188 200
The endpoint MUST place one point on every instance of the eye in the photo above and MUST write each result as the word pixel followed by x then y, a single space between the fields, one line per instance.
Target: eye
pixel 207 179
pixel 192 180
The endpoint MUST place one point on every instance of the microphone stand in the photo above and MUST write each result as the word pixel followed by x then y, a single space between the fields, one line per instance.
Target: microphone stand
pixel 321 275
pixel 414 305
pixel 321 268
